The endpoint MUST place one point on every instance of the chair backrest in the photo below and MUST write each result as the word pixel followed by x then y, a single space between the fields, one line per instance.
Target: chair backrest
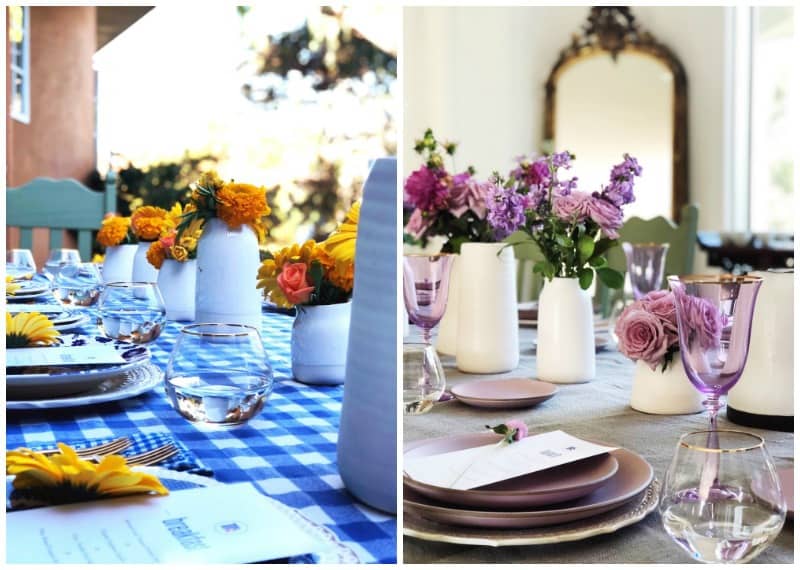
pixel 529 284
pixel 59 205
pixel 682 240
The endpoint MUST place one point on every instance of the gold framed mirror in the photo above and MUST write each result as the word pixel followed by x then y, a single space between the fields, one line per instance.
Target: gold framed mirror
pixel 615 89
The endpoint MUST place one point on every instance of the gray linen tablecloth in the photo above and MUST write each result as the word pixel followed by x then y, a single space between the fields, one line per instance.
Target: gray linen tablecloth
pixel 597 410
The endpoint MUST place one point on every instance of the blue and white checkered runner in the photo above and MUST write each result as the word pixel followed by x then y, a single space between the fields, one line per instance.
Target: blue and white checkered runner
pixel 288 451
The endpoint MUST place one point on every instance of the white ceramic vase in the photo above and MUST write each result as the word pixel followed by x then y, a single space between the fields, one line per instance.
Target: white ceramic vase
pixel 666 393
pixel 143 271
pixel 488 328
pixel 565 333
pixel 227 270
pixel 367 450
pixel 118 263
pixel 176 281
pixel 447 337
pixel 319 343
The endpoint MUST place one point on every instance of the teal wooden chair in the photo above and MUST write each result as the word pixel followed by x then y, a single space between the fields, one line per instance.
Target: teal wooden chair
pixel 60 205
pixel 682 239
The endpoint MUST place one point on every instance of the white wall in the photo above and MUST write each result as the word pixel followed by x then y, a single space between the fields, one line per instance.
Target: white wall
pixel 477 75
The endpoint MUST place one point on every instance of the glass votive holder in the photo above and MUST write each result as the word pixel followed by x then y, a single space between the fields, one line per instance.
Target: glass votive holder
pixel 132 312
pixel 77 284
pixel 218 374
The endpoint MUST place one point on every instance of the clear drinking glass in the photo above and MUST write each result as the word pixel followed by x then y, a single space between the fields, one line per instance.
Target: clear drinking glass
pixel 20 264
pixel 132 311
pixel 645 266
pixel 423 378
pixel 77 284
pixel 733 517
pixel 59 257
pixel 426 281
pixel 218 374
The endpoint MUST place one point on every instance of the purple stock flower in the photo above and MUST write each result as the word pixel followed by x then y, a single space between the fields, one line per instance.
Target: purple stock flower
pixel 620 188
pixel 426 189
pixel 606 215
pixel 572 207
pixel 469 194
pixel 506 211
pixel 562 159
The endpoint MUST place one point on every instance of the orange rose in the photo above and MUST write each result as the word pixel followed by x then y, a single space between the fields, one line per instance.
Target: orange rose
pixel 294 283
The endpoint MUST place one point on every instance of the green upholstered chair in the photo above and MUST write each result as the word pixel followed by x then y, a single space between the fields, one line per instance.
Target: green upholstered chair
pixel 59 205
pixel 682 239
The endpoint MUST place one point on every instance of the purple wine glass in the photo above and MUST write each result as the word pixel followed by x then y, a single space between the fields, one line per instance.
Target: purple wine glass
pixel 715 316
pixel 426 280
pixel 645 266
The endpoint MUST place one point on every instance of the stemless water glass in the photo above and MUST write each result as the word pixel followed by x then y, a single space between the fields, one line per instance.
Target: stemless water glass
pixel 20 264
pixel 218 374
pixel 77 284
pixel 59 257
pixel 132 311
pixel 426 280
pixel 715 315
pixel 739 515
pixel 645 266
pixel 423 378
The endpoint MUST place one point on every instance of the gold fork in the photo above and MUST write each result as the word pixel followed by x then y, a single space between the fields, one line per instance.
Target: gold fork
pixel 151 457
pixel 108 448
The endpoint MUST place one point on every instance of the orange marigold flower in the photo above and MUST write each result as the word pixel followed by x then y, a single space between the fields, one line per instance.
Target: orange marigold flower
pixel 156 255
pixel 241 204
pixel 149 222
pixel 113 231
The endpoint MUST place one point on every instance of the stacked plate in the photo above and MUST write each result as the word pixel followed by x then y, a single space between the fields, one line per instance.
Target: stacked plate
pixel 66 385
pixel 580 499
pixel 29 290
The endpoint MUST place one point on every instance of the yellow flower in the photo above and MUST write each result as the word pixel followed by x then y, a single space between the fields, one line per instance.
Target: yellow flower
pixel 29 329
pixel 210 180
pixel 98 258
pixel 175 214
pixel 179 253
pixel 191 235
pixel 156 254
pixel 65 477
pixel 242 204
pixel 341 275
pixel 341 244
pixel 149 222
pixel 113 231
pixel 11 287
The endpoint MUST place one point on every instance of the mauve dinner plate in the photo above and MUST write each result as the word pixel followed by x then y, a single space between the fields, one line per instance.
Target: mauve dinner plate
pixel 632 477
pixel 504 393
pixel 548 487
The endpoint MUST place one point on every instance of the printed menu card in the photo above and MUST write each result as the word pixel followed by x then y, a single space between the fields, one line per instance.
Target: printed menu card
pixel 64 355
pixel 479 466
pixel 223 523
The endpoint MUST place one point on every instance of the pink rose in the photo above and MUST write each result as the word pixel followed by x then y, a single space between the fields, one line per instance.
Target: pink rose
pixel 519 425
pixel 606 215
pixel 168 240
pixel 294 283
pixel 573 207
pixel 418 224
pixel 641 335
pixel 469 194
pixel 662 304
pixel 702 320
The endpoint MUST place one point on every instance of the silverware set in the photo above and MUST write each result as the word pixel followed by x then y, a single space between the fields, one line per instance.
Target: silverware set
pixel 115 447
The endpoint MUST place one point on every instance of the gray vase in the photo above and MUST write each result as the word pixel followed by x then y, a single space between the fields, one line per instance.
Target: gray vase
pixel 368 431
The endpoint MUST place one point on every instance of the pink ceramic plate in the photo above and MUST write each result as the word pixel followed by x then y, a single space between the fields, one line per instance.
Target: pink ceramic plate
pixel 505 393
pixel 633 476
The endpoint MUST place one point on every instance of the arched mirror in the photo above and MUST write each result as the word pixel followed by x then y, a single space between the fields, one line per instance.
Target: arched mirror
pixel 615 89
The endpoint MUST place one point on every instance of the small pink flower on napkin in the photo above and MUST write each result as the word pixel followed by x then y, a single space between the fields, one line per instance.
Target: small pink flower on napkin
pixel 512 430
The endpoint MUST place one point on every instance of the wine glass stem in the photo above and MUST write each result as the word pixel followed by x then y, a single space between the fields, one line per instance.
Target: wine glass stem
pixel 426 335
pixel 713 405
pixel 709 476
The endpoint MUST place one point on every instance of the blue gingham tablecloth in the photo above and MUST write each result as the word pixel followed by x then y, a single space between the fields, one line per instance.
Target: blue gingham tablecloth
pixel 288 451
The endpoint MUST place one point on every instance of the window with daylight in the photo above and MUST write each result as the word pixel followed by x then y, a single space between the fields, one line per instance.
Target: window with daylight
pixel 19 39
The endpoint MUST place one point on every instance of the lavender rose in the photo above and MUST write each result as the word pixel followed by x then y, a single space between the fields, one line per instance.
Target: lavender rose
pixel 606 215
pixel 573 207
pixel 469 194
pixel 641 335
pixel 418 224
pixel 425 190
pixel 702 319
pixel 662 304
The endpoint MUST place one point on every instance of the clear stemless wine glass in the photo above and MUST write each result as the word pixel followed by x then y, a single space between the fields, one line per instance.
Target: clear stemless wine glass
pixel 426 280
pixel 715 316
pixel 423 378
pixel 77 284
pixel 20 264
pixel 218 374
pixel 741 512
pixel 645 266
pixel 132 311
pixel 59 257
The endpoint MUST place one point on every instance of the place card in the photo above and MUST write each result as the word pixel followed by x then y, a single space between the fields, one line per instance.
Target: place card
pixel 43 308
pixel 479 466
pixel 64 355
pixel 218 524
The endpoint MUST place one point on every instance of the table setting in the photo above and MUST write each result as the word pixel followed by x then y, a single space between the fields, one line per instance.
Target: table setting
pixel 567 448
pixel 134 419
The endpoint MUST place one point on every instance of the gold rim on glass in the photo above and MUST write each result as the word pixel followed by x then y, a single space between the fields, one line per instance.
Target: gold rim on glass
pixel 707 433
pixel 647 244
pixel 724 279
pixel 129 284
pixel 188 330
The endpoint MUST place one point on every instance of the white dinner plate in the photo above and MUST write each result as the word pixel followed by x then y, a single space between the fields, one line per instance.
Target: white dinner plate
pixel 53 381
pixel 73 321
